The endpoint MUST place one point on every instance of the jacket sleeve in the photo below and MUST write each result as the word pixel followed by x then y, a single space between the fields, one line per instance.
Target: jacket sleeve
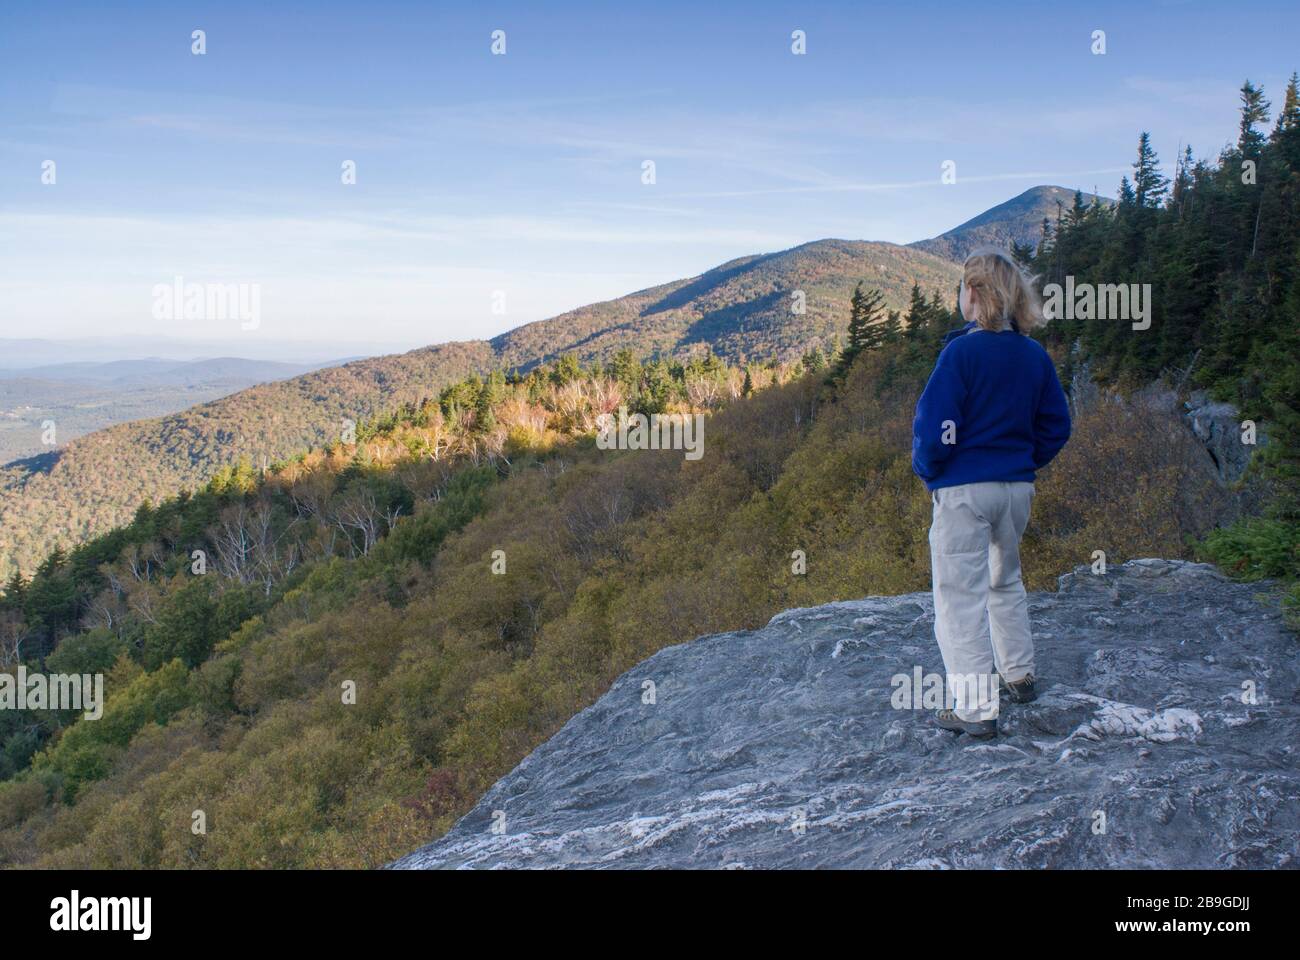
pixel 1051 420
pixel 941 401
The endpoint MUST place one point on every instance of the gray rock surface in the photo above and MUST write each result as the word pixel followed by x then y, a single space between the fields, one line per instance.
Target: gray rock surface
pixel 1218 427
pixel 779 747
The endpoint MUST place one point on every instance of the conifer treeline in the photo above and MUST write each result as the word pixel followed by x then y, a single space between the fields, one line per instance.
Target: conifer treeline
pixel 910 338
pixel 1219 242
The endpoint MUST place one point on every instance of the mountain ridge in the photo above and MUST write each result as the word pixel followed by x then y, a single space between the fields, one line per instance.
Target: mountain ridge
pixel 153 369
pixel 743 309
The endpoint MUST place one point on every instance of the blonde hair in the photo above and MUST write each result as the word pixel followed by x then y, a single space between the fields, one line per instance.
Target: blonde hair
pixel 1003 294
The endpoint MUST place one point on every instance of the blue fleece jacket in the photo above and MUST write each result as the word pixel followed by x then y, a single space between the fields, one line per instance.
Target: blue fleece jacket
pixel 996 399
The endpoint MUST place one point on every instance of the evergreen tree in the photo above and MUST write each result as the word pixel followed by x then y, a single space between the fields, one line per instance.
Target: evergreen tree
pixel 1078 210
pixel 1022 253
pixel 892 327
pixel 1182 179
pixel 14 591
pixel 1288 117
pixel 566 370
pixel 918 314
pixel 657 388
pixel 834 352
pixel 1149 185
pixel 485 420
pixel 625 368
pixel 938 318
pixel 1254 111
pixel 1126 197
pixel 864 331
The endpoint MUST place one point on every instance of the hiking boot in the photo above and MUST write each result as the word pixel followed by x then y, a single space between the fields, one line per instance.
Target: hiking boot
pixel 1021 691
pixel 980 729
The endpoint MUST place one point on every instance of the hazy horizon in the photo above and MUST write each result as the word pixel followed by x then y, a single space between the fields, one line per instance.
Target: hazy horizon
pixel 35 351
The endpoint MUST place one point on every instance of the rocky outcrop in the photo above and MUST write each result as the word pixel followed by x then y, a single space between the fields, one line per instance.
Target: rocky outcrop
pixel 1218 427
pixel 1165 735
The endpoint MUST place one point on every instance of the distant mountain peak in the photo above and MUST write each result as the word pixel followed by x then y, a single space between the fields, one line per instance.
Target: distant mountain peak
pixel 1019 219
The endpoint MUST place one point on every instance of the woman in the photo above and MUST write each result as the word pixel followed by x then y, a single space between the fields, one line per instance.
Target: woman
pixel 992 413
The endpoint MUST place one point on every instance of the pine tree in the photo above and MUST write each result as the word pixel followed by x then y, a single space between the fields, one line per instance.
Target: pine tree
pixel 892 328
pixel 1126 196
pixel 626 369
pixel 485 420
pixel 15 591
pixel 1078 209
pixel 1254 111
pixel 1288 118
pixel 938 319
pixel 834 352
pixel 657 388
pixel 918 315
pixel 566 370
pixel 1223 260
pixel 864 332
pixel 1149 185
pixel 57 558
pixel 1182 179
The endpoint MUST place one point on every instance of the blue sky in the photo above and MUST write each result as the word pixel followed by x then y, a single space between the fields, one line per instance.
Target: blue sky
pixel 522 173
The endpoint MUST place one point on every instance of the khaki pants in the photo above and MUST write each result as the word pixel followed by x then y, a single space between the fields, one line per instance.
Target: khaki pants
pixel 981 616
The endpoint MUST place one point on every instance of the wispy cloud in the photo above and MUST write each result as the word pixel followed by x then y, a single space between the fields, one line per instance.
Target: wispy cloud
pixel 1036 177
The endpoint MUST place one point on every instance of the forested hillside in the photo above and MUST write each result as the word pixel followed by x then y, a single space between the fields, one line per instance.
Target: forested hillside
pixel 769 307
pixel 95 483
pixel 81 398
pixel 744 309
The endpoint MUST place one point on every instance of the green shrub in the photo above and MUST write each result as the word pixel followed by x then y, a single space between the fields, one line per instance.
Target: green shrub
pixel 92 652
pixel 1255 548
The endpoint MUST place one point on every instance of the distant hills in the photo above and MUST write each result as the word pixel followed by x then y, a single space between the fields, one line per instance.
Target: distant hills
pixel 1019 220
pixel 757 308
pixel 153 371
pixel 82 397
pixel 23 353
pixel 95 482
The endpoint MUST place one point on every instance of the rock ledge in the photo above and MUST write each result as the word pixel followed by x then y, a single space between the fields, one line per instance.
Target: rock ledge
pixel 779 747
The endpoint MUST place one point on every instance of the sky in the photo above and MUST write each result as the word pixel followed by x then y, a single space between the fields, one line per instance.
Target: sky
pixel 494 189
